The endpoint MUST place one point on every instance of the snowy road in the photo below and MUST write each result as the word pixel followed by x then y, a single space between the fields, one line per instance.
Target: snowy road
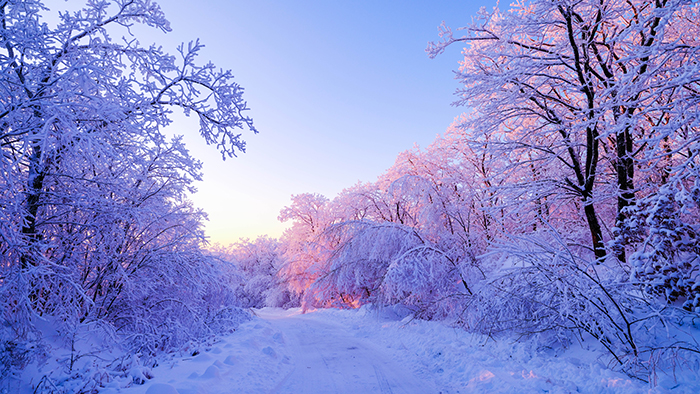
pixel 383 351
pixel 329 359
pixel 288 352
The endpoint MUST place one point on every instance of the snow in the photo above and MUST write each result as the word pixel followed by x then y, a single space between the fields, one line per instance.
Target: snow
pixel 385 351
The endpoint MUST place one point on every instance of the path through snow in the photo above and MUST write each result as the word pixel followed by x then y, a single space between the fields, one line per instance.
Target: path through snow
pixel 329 359
pixel 286 351
pixel 363 351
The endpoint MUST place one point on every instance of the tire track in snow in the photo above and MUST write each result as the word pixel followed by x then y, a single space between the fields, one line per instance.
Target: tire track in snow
pixel 383 383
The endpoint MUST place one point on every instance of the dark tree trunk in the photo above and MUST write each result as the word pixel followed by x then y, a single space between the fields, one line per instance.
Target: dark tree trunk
pixel 35 186
pixel 596 232
pixel 625 185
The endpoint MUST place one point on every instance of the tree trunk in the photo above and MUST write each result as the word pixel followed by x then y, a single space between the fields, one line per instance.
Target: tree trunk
pixel 596 232
pixel 35 186
pixel 625 185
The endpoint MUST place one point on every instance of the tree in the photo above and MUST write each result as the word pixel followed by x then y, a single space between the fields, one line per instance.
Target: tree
pixel 592 86
pixel 406 238
pixel 93 196
pixel 260 264
pixel 593 106
pixel 305 248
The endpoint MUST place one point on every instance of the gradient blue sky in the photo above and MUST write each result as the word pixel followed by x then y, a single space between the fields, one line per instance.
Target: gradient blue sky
pixel 336 88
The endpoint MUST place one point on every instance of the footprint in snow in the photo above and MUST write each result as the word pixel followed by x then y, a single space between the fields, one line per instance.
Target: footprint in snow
pixel 211 373
pixel 278 337
pixel 270 352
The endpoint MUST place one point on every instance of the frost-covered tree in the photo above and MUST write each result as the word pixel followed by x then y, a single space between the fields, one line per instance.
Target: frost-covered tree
pixel 586 115
pixel 416 218
pixel 305 248
pixel 95 219
pixel 260 263
pixel 595 89
pixel 390 263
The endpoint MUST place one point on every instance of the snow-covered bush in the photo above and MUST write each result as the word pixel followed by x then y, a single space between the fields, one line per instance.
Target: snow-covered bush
pixel 668 261
pixel 163 312
pixel 543 290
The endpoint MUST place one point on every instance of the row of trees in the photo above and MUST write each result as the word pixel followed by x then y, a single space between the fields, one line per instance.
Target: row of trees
pixel 95 225
pixel 565 201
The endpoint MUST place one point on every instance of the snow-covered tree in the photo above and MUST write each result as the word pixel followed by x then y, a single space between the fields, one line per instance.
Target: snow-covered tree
pixel 590 88
pixel 359 247
pixel 95 222
pixel 585 114
pixel 390 263
pixel 306 248
pixel 260 263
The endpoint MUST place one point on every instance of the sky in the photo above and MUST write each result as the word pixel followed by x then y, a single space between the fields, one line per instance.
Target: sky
pixel 336 88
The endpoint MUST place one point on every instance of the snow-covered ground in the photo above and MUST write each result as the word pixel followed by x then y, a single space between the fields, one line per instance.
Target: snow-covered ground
pixel 365 351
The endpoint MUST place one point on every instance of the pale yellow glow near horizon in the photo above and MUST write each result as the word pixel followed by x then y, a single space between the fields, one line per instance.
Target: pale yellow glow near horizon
pixel 234 214
pixel 332 109
pixel 241 199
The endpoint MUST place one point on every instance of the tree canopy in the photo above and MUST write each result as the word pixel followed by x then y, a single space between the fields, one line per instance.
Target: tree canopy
pixel 95 223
